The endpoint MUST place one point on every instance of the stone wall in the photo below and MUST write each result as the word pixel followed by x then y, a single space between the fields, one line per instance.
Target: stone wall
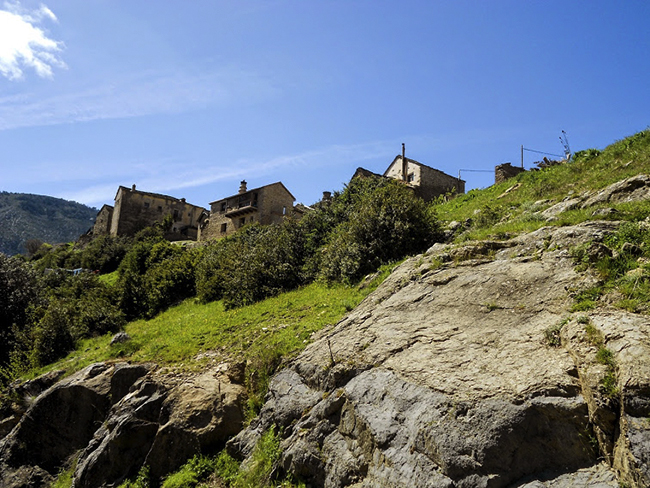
pixel 428 183
pixel 135 210
pixel 103 221
pixel 505 171
pixel 267 205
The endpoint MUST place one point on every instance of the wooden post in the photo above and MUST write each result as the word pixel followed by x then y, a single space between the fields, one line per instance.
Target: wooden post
pixel 522 156
pixel 404 164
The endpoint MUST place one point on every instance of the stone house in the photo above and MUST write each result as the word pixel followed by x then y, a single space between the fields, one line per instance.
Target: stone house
pixel 505 171
pixel 427 183
pixel 103 221
pixel 135 210
pixel 268 204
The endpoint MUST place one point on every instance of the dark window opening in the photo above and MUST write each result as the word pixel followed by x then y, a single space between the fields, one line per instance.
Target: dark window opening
pixel 160 208
pixel 223 228
pixel 223 206
pixel 146 204
pixel 410 178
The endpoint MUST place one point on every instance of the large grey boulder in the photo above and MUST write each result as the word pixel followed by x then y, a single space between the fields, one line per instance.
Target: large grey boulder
pixel 161 423
pixel 444 377
pixel 60 421
pixel 115 418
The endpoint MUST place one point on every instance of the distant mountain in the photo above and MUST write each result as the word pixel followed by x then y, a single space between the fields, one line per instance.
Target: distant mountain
pixel 52 220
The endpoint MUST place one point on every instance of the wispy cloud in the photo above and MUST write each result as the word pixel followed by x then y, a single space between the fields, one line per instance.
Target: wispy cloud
pixel 136 95
pixel 25 45
pixel 177 177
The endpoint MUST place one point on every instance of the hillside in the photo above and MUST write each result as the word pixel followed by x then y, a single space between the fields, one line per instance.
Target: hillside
pixel 514 351
pixel 52 220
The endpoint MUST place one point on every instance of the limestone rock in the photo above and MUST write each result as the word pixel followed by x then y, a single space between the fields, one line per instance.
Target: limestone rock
pixel 162 422
pixel 442 377
pixel 567 204
pixel 628 190
pixel 61 421
pixel 120 338
pixel 195 416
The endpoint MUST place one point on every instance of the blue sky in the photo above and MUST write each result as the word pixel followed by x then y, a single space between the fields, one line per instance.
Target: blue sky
pixel 188 98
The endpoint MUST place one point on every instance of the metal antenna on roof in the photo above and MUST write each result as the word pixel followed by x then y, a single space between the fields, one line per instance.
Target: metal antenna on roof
pixel 565 142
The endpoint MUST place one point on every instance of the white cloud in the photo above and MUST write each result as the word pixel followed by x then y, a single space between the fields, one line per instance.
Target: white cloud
pixel 135 95
pixel 177 177
pixel 25 45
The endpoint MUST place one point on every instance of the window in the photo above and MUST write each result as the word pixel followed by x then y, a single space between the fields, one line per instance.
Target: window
pixel 146 204
pixel 411 177
pixel 242 221
pixel 223 228
pixel 175 215
pixel 284 210
pixel 160 208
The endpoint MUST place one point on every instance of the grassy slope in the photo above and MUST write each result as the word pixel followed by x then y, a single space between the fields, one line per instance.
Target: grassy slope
pixel 267 331
pixel 278 328
pixel 498 215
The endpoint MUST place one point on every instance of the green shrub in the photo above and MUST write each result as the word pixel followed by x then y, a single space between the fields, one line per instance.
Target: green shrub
pixel 19 288
pixel 258 471
pixel 141 481
pixel 385 223
pixel 153 275
pixel 195 471
pixel 104 253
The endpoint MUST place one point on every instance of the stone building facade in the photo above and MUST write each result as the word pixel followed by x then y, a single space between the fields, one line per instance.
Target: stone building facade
pixel 103 221
pixel 135 210
pixel 427 183
pixel 268 204
pixel 505 171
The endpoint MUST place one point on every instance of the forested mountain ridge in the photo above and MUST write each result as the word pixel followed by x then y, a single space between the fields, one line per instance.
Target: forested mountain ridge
pixel 53 220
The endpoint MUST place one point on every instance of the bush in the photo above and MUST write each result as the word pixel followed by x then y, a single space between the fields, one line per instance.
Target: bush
pixel 256 263
pixel 104 253
pixel 71 308
pixel 153 275
pixel 19 288
pixel 386 223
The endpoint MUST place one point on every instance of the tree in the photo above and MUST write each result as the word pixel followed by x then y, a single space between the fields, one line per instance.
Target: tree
pixel 18 290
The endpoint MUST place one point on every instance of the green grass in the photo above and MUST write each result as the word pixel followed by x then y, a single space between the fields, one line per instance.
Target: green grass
pixel 494 213
pixel 109 278
pixel 552 334
pixel 264 334
pixel 256 473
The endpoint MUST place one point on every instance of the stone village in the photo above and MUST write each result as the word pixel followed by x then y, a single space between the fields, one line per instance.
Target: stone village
pixel 135 209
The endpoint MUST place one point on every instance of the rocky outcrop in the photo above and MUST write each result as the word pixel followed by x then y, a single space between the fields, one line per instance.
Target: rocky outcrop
pixel 114 418
pixel 465 368
pixel 444 376
pixel 632 189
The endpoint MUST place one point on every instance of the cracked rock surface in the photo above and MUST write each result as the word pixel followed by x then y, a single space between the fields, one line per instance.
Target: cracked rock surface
pixel 444 377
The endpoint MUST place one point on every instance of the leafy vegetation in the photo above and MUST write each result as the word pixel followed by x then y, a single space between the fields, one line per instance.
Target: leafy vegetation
pixel 609 381
pixel 257 473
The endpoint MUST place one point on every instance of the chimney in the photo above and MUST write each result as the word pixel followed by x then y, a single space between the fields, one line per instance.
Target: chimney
pixel 404 164
pixel 133 187
pixel 327 196
pixel 242 186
